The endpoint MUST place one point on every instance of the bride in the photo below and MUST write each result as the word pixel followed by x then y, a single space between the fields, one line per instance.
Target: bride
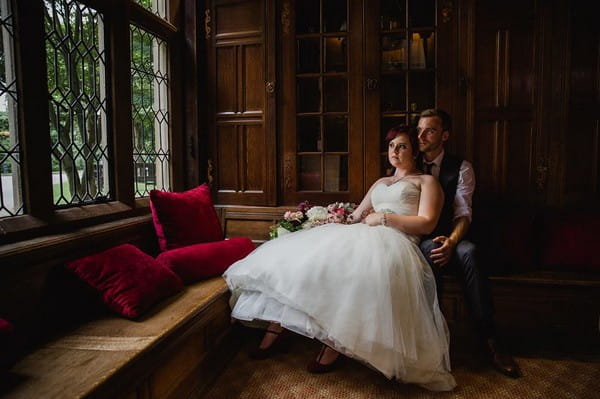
pixel 364 290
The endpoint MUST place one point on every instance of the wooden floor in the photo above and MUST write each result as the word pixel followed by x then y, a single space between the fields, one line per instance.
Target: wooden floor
pixel 548 372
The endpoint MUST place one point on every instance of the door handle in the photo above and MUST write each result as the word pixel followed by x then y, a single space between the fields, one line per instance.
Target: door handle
pixel 372 84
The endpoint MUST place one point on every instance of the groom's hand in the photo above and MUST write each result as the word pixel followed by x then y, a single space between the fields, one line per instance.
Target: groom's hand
pixel 441 255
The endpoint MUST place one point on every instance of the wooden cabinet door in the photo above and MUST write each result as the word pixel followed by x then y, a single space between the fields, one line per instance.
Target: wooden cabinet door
pixel 241 94
pixel 321 101
pixel 388 75
pixel 406 70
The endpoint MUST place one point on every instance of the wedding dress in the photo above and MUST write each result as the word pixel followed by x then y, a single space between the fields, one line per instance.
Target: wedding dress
pixel 364 290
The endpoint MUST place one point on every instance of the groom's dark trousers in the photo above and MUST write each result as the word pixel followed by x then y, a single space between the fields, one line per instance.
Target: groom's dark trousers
pixel 464 261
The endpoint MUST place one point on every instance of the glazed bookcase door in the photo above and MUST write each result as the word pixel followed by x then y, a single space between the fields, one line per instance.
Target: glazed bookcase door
pixel 321 100
pixel 401 72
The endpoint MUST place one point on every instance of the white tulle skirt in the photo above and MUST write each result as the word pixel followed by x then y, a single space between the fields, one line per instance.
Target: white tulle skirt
pixel 366 291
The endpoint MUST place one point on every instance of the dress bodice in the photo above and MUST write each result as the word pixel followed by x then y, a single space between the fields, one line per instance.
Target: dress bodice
pixel 401 197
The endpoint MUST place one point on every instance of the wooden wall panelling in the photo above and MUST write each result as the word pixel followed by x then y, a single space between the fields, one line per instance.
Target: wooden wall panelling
pixel 250 221
pixel 372 96
pixel 241 52
pixel 581 136
pixel 287 107
pixel 506 74
pixel 192 70
pixel 448 76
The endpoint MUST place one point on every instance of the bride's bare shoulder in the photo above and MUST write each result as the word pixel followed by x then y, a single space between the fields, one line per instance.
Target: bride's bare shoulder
pixel 429 180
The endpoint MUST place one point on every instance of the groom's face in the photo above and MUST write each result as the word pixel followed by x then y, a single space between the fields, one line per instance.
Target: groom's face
pixel 431 136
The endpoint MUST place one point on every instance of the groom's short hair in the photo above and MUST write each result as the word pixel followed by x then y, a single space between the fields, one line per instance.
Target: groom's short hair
pixel 440 113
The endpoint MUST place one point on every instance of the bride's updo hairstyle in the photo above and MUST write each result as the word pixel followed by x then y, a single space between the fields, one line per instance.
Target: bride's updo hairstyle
pixel 411 132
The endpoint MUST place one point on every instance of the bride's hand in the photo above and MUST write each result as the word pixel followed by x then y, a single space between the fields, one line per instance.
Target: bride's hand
pixel 373 219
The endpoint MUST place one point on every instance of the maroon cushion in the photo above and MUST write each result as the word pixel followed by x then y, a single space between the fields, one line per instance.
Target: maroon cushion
pixel 5 327
pixel 570 241
pixel 186 218
pixel 6 357
pixel 199 261
pixel 129 280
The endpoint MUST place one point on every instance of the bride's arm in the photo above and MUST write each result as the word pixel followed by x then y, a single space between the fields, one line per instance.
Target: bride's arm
pixel 430 207
pixel 364 206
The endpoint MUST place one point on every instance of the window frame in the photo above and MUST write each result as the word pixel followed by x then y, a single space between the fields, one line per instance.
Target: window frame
pixel 41 215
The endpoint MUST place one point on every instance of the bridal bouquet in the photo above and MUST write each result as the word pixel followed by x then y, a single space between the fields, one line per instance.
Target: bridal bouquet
pixel 307 216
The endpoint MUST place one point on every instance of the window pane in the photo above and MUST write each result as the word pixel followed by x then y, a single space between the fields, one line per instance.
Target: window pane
pixel 308 59
pixel 335 94
pixel 336 173
pixel 309 134
pixel 393 92
pixel 11 200
pixel 150 112
pixel 158 7
pixel 307 16
pixel 310 173
pixel 76 84
pixel 308 95
pixel 334 16
pixel 393 52
pixel 336 133
pixel 421 89
pixel 421 13
pixel 393 14
pixel 335 54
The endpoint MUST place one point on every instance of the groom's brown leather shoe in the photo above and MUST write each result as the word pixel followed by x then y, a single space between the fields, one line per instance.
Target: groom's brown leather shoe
pixel 503 362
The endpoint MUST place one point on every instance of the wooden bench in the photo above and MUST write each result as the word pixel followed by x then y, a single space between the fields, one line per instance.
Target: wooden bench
pixel 177 348
pixel 545 285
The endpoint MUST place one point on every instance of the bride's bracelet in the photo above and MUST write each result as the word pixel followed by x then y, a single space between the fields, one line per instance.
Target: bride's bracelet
pixel 385 212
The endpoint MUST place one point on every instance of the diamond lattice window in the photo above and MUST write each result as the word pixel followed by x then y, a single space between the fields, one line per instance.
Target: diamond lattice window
pixel 11 200
pixel 150 116
pixel 77 88
pixel 158 7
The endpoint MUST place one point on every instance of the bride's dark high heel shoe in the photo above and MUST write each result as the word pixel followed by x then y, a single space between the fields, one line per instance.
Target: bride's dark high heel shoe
pixel 316 367
pixel 279 344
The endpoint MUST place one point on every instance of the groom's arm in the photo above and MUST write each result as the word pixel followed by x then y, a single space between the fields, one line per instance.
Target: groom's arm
pixel 462 216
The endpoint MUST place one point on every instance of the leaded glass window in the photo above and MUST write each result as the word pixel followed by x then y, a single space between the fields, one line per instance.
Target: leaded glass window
pixel 11 200
pixel 76 57
pixel 158 7
pixel 150 112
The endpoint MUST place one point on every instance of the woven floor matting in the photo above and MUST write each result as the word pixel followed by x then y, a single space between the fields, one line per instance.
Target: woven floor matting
pixel 284 377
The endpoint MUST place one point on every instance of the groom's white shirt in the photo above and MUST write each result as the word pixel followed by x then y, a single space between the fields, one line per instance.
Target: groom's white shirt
pixel 463 199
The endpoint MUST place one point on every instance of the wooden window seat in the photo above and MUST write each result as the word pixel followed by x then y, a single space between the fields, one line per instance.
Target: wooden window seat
pixel 165 355
pixel 172 351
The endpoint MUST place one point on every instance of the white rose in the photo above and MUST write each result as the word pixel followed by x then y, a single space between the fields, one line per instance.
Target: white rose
pixel 317 213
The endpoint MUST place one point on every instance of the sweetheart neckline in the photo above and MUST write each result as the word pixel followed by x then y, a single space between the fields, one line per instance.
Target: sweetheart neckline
pixel 398 181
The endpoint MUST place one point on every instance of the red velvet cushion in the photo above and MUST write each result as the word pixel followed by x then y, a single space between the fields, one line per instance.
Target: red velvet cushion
pixel 5 327
pixel 129 280
pixel 199 261
pixel 6 357
pixel 185 218
pixel 571 241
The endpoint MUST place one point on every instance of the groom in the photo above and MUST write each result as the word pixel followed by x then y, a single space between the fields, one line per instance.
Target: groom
pixel 445 249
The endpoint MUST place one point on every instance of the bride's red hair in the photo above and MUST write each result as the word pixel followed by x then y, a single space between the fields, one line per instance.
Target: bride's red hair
pixel 411 132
